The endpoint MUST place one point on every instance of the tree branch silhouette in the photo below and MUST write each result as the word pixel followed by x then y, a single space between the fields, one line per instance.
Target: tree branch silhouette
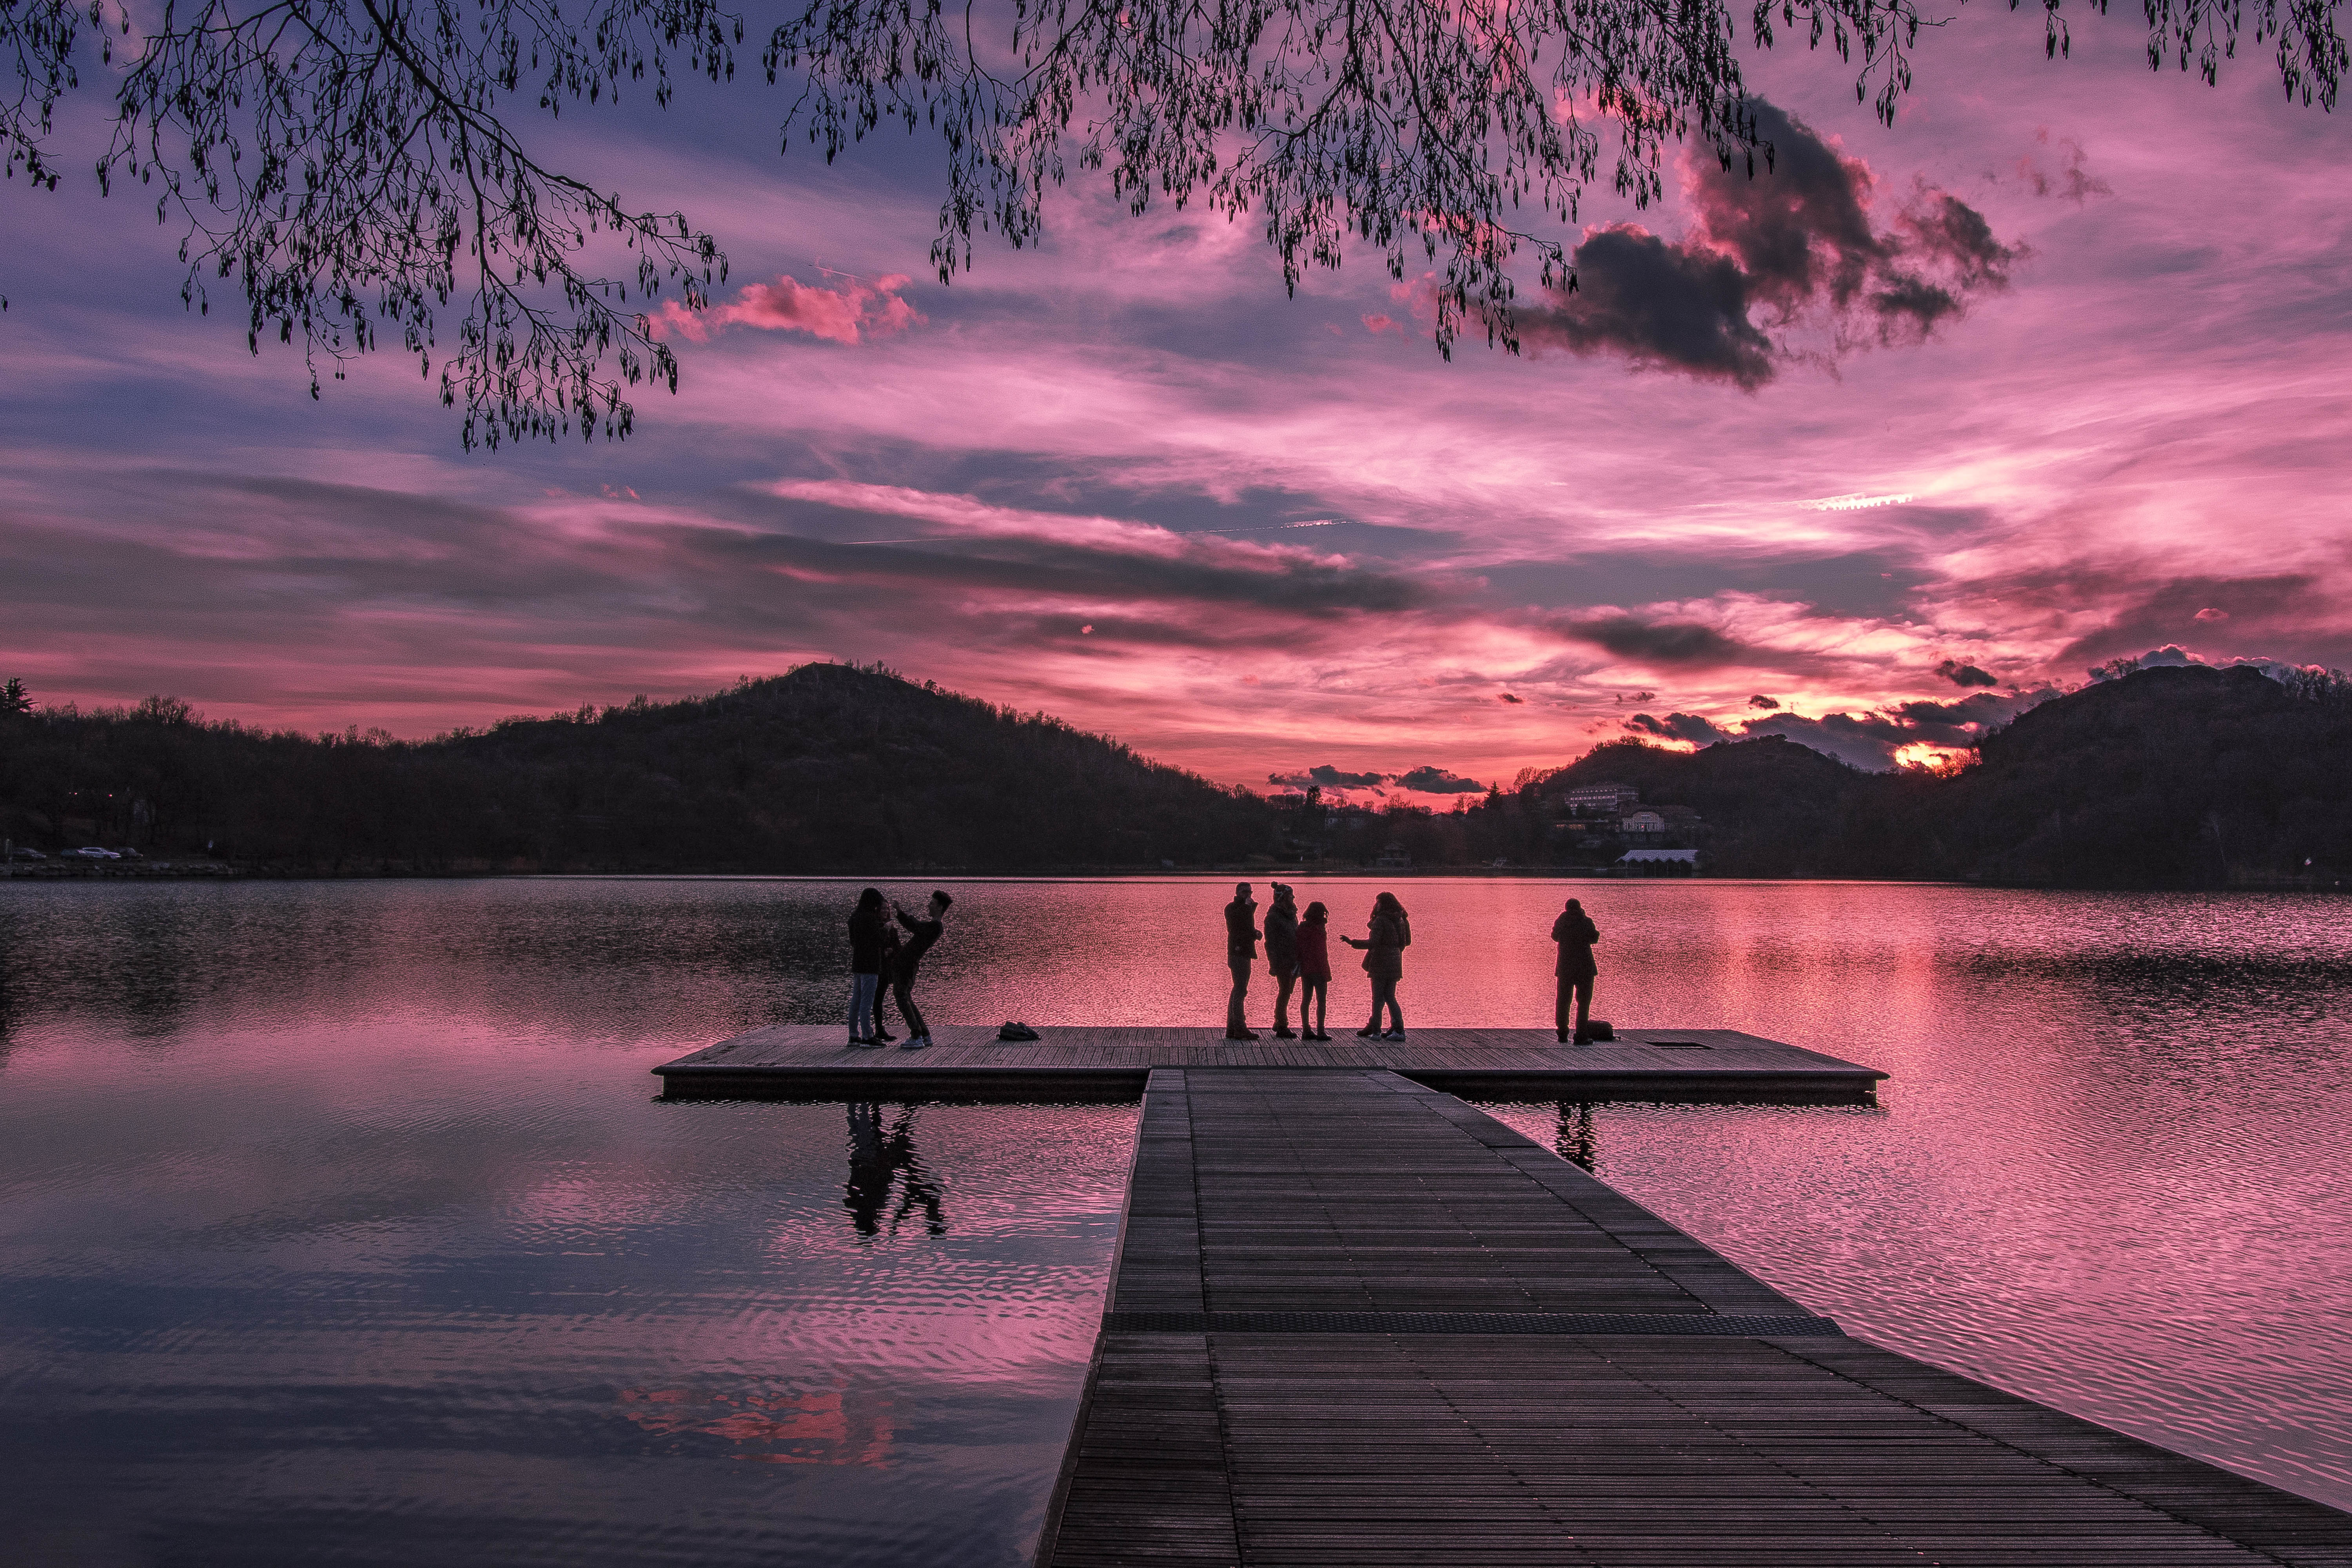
pixel 354 166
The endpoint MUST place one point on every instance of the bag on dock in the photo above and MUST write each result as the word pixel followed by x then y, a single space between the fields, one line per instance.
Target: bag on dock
pixel 1017 1032
pixel 1595 1029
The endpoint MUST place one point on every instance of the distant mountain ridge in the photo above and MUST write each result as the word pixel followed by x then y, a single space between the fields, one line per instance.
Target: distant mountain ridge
pixel 2178 777
pixel 2168 777
pixel 828 768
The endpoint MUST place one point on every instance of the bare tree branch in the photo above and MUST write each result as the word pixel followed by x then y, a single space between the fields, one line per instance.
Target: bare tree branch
pixel 354 165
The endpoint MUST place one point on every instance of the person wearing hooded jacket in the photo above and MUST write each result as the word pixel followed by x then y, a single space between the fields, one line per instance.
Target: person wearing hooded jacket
pixel 1282 957
pixel 1241 957
pixel 1391 934
pixel 1576 933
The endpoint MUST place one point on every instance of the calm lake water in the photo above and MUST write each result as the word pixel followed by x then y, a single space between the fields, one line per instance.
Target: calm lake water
pixel 338 1223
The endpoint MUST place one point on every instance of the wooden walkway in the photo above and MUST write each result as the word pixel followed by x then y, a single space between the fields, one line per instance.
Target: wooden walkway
pixel 1355 1321
pixel 808 1060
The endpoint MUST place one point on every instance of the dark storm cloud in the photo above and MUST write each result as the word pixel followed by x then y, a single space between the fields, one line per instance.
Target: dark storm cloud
pixel 1657 302
pixel 1328 778
pixel 1959 674
pixel 1428 779
pixel 1864 740
pixel 1656 642
pixel 2172 656
pixel 1431 779
pixel 1788 242
pixel 1870 739
pixel 1679 727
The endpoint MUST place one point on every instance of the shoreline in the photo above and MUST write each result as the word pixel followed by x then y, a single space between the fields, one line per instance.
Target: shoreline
pixel 55 871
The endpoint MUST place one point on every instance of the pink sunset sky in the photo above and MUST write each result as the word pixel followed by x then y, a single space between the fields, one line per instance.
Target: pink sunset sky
pixel 2057 377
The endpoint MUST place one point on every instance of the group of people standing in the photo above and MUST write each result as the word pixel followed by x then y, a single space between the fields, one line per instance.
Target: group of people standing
pixel 1297 954
pixel 1298 957
pixel 882 967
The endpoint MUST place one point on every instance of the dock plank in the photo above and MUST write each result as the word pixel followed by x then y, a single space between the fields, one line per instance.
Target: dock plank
pixel 1736 1430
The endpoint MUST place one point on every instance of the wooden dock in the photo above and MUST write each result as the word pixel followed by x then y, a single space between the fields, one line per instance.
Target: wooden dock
pixel 812 1061
pixel 1355 1321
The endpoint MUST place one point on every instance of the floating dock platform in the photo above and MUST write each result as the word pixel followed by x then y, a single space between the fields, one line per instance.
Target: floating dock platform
pixel 1355 1321
pixel 812 1061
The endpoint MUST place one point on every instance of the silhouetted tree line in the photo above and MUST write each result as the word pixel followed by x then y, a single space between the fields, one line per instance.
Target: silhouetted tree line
pixel 2167 777
pixel 828 768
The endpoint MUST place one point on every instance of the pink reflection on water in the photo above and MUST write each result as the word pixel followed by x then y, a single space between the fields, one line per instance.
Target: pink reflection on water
pixel 2105 1172
pixel 840 1426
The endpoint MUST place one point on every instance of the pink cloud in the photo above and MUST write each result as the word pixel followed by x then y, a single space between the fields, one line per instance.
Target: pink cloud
pixel 846 315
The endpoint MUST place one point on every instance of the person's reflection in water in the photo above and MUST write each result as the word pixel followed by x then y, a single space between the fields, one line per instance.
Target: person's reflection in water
pixel 1575 1141
pixel 878 1157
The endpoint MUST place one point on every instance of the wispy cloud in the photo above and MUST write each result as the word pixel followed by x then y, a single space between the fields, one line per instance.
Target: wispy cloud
pixel 1127 479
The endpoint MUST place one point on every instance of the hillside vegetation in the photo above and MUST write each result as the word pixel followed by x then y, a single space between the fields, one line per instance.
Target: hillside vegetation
pixel 2186 776
pixel 2170 777
pixel 828 768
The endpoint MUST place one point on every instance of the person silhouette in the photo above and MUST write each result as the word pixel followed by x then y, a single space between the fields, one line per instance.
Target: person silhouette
pixel 1282 958
pixel 1314 971
pixel 1391 934
pixel 865 923
pixel 920 934
pixel 1241 957
pixel 1576 933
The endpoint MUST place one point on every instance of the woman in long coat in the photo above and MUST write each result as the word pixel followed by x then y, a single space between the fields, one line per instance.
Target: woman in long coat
pixel 864 964
pixel 1391 934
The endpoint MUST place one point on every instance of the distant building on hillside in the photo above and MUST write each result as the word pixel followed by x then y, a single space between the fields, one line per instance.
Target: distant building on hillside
pixel 1658 862
pixel 1600 799
pixel 1643 825
pixel 1393 858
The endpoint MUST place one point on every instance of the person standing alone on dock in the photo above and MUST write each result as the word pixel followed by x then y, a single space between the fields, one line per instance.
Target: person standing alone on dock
pixel 1314 971
pixel 1576 933
pixel 866 928
pixel 1241 957
pixel 1391 934
pixel 1281 956
pixel 920 934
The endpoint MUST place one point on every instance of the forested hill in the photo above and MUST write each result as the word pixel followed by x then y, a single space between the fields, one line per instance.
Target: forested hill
pixel 830 767
pixel 2168 777
pixel 2185 776
pixel 2180 776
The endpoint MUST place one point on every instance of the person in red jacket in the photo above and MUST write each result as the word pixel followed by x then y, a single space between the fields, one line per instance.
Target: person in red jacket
pixel 1314 971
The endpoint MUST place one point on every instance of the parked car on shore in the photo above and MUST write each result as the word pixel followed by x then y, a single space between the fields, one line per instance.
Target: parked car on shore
pixel 27 853
pixel 93 852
